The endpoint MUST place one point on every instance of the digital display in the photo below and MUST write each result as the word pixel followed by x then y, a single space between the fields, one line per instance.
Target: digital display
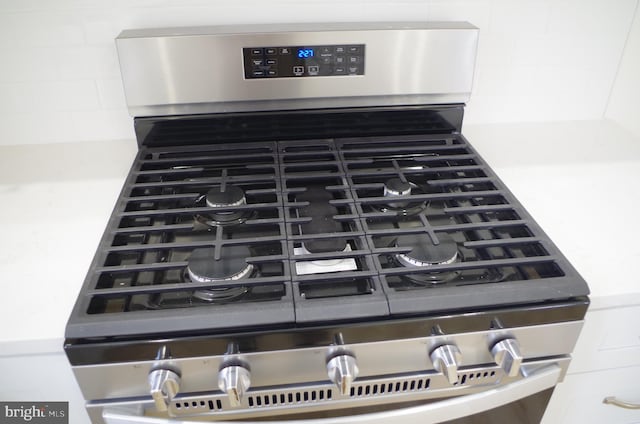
pixel 305 53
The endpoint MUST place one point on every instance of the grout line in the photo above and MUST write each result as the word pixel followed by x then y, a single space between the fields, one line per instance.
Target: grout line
pixel 636 17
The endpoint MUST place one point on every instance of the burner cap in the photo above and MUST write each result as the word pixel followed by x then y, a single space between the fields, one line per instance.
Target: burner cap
pixel 232 265
pixel 394 188
pixel 397 187
pixel 325 245
pixel 231 196
pixel 424 252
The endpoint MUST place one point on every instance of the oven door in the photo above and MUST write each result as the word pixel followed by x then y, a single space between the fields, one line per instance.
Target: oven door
pixel 523 401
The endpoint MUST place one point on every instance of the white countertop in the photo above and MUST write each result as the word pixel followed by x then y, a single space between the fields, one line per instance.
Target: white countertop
pixel 577 179
pixel 581 182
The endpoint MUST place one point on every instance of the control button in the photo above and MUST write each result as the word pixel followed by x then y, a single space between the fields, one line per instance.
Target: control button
pixel 446 359
pixel 271 51
pixel 342 371
pixel 340 49
pixel 340 59
pixel 354 59
pixel 272 61
pixel 354 69
pixel 354 49
pixel 325 54
pixel 272 73
pixel 164 385
pixel 298 70
pixel 257 73
pixel 340 70
pixel 285 50
pixel 507 355
pixel 257 62
pixel 256 52
pixel 234 380
pixel 313 69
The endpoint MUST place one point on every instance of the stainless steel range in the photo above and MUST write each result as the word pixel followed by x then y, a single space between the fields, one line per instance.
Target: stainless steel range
pixel 305 234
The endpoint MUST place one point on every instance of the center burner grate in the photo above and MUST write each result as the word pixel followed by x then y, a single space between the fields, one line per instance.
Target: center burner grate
pixel 331 265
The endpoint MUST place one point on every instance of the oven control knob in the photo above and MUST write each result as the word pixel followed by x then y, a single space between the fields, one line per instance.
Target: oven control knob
pixel 507 355
pixel 343 370
pixel 446 359
pixel 165 385
pixel 234 380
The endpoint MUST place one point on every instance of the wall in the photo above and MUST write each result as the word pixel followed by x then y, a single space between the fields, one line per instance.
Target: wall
pixel 623 103
pixel 538 60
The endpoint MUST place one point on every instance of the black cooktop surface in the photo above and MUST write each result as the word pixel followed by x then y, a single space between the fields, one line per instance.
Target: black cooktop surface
pixel 296 232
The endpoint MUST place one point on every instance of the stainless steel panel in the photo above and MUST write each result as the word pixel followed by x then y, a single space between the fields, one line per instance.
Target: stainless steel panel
pixel 175 71
pixel 469 399
pixel 299 366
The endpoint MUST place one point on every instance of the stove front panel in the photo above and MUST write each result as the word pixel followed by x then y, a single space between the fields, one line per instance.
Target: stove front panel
pixel 287 369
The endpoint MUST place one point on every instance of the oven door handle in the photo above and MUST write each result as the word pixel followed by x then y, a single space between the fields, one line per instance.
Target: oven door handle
pixel 453 408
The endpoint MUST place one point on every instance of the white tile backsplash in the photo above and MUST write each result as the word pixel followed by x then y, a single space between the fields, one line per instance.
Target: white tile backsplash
pixel 517 17
pixel 53 126
pixel 537 60
pixel 623 102
pixel 69 95
pixel 102 124
pixel 78 62
pixel 16 128
pixel 110 93
pixel 28 64
pixel 16 97
pixel 476 11
pixel 99 31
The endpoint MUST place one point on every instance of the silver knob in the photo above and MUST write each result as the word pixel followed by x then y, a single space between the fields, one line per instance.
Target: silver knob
pixel 507 355
pixel 164 385
pixel 234 380
pixel 342 370
pixel 446 359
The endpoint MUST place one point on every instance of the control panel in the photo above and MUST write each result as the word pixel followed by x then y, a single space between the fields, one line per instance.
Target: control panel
pixel 303 61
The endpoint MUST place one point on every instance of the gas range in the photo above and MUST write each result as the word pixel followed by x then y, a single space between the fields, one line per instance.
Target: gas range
pixel 305 229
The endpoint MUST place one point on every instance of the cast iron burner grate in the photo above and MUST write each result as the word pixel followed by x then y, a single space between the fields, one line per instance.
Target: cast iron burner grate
pixel 328 228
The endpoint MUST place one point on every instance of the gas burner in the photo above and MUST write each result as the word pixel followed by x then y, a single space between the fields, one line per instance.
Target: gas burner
pixel 231 196
pixel 202 267
pixel 395 187
pixel 425 253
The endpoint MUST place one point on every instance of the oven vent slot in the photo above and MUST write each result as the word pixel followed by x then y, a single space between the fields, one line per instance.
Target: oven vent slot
pixel 289 398
pixel 390 387
pixel 323 395
pixel 474 377
pixel 199 406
